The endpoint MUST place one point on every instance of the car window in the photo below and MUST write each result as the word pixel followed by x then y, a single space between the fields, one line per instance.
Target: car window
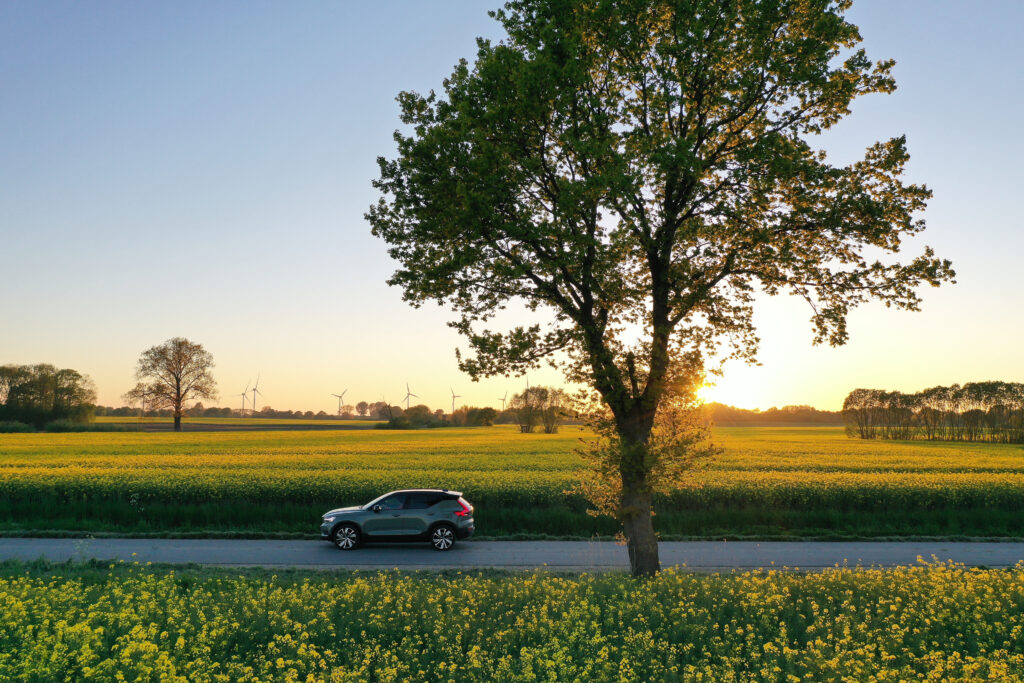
pixel 417 501
pixel 422 501
pixel 393 502
pixel 375 501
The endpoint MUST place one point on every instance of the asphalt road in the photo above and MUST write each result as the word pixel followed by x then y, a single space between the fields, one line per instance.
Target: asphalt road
pixel 555 555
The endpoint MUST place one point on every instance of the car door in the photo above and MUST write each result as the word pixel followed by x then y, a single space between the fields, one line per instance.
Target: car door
pixel 388 521
pixel 419 513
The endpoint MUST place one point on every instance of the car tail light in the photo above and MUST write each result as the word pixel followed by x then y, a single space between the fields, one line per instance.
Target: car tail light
pixel 467 509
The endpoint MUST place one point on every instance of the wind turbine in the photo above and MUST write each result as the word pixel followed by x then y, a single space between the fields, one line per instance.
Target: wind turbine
pixel 256 390
pixel 341 397
pixel 142 414
pixel 502 399
pixel 454 396
pixel 408 394
pixel 244 394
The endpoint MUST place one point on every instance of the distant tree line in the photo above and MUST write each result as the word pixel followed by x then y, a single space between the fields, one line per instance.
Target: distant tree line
pixel 269 412
pixel 41 394
pixel 977 411
pixel 416 417
pixel 730 416
pixel 199 410
pixel 421 417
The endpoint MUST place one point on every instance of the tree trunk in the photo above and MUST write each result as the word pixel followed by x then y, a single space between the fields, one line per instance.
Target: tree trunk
pixel 177 421
pixel 638 526
pixel 635 498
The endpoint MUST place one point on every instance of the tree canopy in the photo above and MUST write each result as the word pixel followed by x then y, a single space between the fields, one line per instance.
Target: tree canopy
pixel 173 373
pixel 636 172
pixel 38 394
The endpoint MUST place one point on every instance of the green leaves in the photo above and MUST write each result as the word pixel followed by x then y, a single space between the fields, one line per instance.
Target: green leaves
pixel 646 165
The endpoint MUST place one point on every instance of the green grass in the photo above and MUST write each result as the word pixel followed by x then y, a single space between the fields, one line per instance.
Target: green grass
pixel 128 622
pixel 769 483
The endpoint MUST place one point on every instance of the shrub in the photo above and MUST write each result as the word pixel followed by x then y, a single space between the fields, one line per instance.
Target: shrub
pixel 12 427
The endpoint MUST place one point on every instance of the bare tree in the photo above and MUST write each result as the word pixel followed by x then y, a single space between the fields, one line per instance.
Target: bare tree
pixel 173 373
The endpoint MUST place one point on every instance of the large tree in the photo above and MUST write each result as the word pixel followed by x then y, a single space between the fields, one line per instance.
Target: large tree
pixel 636 173
pixel 173 373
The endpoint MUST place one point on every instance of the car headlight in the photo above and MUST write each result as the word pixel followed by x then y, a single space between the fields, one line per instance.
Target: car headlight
pixel 328 520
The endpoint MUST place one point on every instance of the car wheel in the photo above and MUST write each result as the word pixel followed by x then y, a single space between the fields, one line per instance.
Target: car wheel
pixel 442 537
pixel 346 536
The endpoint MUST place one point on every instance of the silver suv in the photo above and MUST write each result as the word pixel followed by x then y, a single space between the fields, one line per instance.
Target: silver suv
pixel 437 515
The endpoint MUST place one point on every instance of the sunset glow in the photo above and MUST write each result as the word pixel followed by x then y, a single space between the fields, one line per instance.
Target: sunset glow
pixel 729 393
pixel 285 279
pixel 706 393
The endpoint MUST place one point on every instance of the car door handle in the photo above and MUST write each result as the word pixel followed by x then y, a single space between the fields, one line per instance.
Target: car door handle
pixel 396 515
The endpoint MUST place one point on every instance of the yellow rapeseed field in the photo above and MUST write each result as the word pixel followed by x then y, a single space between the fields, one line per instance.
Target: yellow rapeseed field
pixel 131 623
pixel 769 482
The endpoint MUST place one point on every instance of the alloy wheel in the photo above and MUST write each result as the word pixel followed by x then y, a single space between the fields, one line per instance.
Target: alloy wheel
pixel 443 538
pixel 346 538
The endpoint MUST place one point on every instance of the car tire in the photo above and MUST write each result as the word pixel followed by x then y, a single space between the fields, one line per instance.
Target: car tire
pixel 346 537
pixel 442 537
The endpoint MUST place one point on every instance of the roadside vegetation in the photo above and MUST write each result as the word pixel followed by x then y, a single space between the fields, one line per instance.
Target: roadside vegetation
pixel 130 622
pixel 767 483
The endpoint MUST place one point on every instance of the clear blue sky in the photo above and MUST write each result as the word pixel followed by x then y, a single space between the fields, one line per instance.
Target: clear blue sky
pixel 202 169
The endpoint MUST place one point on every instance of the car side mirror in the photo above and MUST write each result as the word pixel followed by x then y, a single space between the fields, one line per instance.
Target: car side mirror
pixel 377 508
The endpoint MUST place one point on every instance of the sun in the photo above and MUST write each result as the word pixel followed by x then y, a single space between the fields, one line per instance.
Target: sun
pixel 706 392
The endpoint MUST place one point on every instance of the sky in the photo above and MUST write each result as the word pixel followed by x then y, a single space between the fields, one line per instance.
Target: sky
pixel 202 170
